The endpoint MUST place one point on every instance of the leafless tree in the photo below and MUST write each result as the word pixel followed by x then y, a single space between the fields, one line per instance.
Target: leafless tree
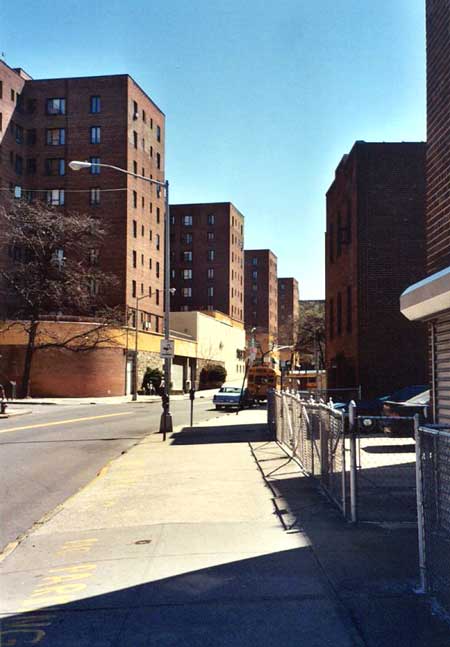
pixel 49 271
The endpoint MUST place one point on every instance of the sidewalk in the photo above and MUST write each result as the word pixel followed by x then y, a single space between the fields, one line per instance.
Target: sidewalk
pixel 117 399
pixel 11 412
pixel 184 544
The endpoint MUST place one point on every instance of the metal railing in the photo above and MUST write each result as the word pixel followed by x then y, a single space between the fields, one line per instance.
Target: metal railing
pixel 314 434
pixel 433 510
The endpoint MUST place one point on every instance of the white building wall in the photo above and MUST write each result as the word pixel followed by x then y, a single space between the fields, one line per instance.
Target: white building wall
pixel 217 340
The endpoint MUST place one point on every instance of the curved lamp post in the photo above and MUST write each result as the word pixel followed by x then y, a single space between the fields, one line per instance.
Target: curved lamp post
pixel 166 418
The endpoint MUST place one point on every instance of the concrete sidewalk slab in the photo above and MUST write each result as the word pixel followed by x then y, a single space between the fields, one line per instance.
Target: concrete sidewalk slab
pixel 176 543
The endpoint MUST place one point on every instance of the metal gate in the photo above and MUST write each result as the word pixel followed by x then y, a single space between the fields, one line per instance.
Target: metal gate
pixel 314 434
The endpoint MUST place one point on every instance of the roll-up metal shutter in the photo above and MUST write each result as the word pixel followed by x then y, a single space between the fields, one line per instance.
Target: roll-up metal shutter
pixel 442 367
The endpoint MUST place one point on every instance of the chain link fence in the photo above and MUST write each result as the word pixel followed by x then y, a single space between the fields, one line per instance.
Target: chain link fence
pixel 314 434
pixel 433 507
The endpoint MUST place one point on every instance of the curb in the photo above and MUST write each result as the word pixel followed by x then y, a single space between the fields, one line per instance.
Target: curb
pixel 14 414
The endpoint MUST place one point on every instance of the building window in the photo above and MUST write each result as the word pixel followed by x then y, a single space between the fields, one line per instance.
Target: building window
pixel 135 199
pixel 95 134
pixel 94 196
pixel 135 139
pixel 134 229
pixel 12 95
pixel 19 134
pixel 142 230
pixel 255 275
pixel 56 136
pixel 157 303
pixel 95 104
pixel 158 191
pixel 339 314
pixel 211 219
pixel 158 160
pixel 135 110
pixel 55 197
pixel 31 166
pixel 186 292
pixel 55 166
pixel 19 165
pixel 158 133
pixel 349 309
pixel 187 257
pixel 331 319
pixel 134 258
pixel 144 116
pixel 31 137
pixel 95 169
pixel 210 235
pixel 187 221
pixel 158 241
pixel 186 274
pixel 188 239
pixel 133 288
pixel 210 272
pixel 331 243
pixel 157 269
pixel 56 106
pixel 210 291
pixel 254 260
pixel 211 254
pixel 93 256
pixel 158 215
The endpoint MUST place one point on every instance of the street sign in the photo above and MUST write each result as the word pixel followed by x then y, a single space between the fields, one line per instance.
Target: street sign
pixel 167 349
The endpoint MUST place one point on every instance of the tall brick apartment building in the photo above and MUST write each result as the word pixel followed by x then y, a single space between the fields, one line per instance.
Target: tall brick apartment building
pixel 207 258
pixel 46 123
pixel 429 299
pixel 261 297
pixel 288 314
pixel 374 249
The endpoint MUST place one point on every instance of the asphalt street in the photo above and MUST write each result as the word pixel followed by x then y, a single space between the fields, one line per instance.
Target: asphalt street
pixel 48 455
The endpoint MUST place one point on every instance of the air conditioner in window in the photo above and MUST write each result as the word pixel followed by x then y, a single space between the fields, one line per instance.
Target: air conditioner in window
pixel 147 325
pixel 135 115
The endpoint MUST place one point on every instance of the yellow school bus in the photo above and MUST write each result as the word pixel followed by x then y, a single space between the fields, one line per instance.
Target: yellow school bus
pixel 260 380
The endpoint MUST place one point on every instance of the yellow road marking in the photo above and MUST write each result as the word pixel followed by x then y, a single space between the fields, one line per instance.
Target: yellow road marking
pixel 65 422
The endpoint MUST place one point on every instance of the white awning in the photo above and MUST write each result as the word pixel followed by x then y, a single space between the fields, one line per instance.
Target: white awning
pixel 428 297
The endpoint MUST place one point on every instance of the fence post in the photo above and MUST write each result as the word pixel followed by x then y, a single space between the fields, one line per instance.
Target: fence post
pixel 353 479
pixel 343 423
pixel 420 509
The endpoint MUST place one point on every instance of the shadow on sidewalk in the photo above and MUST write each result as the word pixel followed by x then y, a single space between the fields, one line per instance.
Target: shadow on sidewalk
pixel 273 599
pixel 222 434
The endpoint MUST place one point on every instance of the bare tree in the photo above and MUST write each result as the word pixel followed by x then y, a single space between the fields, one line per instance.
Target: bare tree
pixel 310 342
pixel 50 271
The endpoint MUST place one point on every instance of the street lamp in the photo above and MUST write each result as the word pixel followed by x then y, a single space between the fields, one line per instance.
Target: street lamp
pixel 166 418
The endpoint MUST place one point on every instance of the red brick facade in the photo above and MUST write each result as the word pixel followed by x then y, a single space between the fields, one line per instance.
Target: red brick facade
pixel 288 310
pixel 111 119
pixel 438 119
pixel 375 249
pixel 261 295
pixel 207 258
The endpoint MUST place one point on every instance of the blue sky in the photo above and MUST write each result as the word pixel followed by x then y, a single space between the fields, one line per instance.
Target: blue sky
pixel 262 99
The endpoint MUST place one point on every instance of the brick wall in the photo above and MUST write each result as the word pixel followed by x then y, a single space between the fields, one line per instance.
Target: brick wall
pixel 438 117
pixel 374 250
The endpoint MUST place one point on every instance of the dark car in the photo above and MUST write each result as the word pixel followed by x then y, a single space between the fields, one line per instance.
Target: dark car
pixel 370 408
pixel 406 403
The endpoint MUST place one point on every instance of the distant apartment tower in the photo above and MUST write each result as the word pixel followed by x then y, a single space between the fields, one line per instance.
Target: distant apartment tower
pixel 261 297
pixel 429 299
pixel 207 258
pixel 375 248
pixel 46 123
pixel 288 310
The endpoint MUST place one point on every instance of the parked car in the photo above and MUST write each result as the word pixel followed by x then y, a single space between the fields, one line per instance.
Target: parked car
pixel 229 397
pixel 369 408
pixel 406 402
